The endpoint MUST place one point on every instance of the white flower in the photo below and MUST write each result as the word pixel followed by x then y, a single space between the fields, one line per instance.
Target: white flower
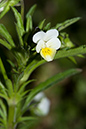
pixel 43 106
pixel 47 43
pixel 1 9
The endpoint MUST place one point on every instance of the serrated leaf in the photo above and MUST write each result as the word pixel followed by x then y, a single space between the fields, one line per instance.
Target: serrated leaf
pixel 31 11
pixel 48 83
pixel 19 21
pixel 41 24
pixel 61 26
pixel 4 33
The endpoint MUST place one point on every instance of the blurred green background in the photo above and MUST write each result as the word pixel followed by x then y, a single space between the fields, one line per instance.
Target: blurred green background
pixel 68 98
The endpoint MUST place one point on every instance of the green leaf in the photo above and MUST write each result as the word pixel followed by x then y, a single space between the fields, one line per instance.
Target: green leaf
pixel 72 59
pixel 30 118
pixel 2 88
pixel 19 35
pixel 48 83
pixel 3 70
pixel 24 85
pixel 67 23
pixel 71 52
pixel 7 6
pixel 9 87
pixel 3 112
pixel 31 11
pixel 19 21
pixel 6 35
pixel 41 24
pixel 5 44
pixel 29 25
pixel 47 27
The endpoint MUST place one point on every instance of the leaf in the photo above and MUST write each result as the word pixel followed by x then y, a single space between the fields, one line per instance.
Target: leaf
pixel 47 27
pixel 72 59
pixel 41 24
pixel 48 83
pixel 3 70
pixel 5 44
pixel 2 88
pixel 29 25
pixel 30 118
pixel 71 52
pixel 19 35
pixel 67 23
pixel 9 87
pixel 6 35
pixel 31 11
pixel 7 6
pixel 24 85
pixel 19 21
pixel 3 112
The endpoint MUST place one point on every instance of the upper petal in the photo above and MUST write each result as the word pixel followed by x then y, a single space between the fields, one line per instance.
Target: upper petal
pixel 38 36
pixel 40 45
pixel 52 33
pixel 54 43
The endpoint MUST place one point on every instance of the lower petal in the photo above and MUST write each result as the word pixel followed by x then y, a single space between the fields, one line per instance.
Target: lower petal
pixel 48 53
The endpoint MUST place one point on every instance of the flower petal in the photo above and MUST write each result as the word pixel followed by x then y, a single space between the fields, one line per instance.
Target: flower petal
pixel 54 43
pixel 38 36
pixel 51 34
pixel 40 45
pixel 48 53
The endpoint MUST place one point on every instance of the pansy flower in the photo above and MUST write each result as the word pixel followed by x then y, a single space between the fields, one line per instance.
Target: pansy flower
pixel 47 43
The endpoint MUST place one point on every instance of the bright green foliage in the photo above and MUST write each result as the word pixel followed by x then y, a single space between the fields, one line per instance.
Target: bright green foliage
pixel 14 89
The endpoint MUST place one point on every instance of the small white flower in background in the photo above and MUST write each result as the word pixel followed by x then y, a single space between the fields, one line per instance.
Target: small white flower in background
pixel 47 43
pixel 2 8
pixel 43 106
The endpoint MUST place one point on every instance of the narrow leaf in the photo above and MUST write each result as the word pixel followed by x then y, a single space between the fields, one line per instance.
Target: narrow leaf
pixel 6 35
pixel 67 23
pixel 19 21
pixel 5 44
pixel 19 35
pixel 47 27
pixel 22 119
pixel 9 87
pixel 41 24
pixel 31 11
pixel 3 70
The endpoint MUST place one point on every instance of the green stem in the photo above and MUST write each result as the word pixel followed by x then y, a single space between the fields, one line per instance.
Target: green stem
pixel 11 115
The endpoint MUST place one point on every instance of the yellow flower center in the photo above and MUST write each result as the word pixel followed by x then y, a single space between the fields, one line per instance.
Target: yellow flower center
pixel 46 51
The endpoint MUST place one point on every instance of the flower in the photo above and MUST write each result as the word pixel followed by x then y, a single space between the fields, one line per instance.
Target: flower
pixel 47 43
pixel 43 107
